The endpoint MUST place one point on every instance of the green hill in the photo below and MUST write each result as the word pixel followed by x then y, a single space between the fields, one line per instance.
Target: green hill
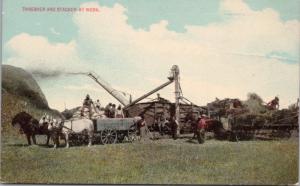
pixel 21 83
pixel 20 92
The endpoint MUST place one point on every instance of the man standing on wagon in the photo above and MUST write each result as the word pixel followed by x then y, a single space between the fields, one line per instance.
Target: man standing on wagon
pixel 274 104
pixel 112 111
pixel 87 103
pixel 107 110
pixel 119 112
pixel 98 105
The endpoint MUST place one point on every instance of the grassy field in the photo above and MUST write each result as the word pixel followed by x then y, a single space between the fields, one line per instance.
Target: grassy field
pixel 162 161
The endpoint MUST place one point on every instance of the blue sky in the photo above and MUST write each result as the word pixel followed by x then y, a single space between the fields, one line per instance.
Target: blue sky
pixel 140 13
pixel 195 34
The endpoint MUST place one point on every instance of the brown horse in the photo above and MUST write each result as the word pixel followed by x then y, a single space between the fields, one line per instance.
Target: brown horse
pixel 30 127
pixel 217 128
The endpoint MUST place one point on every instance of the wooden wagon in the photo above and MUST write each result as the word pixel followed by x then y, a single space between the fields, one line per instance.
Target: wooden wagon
pixel 113 130
pixel 261 128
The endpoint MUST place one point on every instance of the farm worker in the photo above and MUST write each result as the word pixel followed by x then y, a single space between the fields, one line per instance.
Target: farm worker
pixel 98 105
pixel 161 124
pixel 119 112
pixel 112 111
pixel 107 110
pixel 87 103
pixel 274 104
pixel 175 125
pixel 237 103
pixel 202 122
pixel 142 127
pixel 194 124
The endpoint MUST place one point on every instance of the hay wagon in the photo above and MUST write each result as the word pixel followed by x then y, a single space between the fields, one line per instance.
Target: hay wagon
pixel 113 130
pixel 254 126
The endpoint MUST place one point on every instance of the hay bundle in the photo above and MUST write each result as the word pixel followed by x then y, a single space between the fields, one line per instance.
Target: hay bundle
pixel 221 107
pixel 254 104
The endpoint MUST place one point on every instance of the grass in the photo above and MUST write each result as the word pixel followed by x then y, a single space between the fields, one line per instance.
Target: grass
pixel 163 161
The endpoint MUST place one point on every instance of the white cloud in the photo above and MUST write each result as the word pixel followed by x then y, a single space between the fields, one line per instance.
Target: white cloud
pixel 37 53
pixel 225 59
pixel 228 58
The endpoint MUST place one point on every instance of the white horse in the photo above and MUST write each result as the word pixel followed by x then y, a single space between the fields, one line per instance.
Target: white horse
pixel 78 126
pixel 55 129
pixel 43 125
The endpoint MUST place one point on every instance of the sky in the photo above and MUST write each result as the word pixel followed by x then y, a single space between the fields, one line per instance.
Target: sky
pixel 224 49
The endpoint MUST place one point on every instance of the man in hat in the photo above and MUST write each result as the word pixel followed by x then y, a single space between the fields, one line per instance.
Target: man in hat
pixel 200 128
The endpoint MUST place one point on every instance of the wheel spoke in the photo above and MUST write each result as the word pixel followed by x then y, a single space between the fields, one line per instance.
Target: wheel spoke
pixel 111 139
pixel 105 140
pixel 104 136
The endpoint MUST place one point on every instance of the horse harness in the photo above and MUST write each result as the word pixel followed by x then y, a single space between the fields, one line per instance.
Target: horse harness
pixel 71 129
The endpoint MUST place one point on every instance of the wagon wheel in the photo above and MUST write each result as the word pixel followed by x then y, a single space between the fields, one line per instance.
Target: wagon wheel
pixel 109 136
pixel 131 135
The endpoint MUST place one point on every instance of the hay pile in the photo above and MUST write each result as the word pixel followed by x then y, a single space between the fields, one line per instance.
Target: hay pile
pixel 221 108
pixel 285 117
pixel 254 104
pixel 76 113
pixel 253 112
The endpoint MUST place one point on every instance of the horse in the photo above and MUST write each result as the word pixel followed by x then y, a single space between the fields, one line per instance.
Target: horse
pixel 217 128
pixel 55 129
pixel 78 127
pixel 29 126
pixel 44 122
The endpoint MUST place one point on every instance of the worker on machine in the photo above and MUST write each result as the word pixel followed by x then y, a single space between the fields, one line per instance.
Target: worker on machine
pixel 98 105
pixel 119 112
pixel 274 104
pixel 107 110
pixel 87 103
pixel 112 111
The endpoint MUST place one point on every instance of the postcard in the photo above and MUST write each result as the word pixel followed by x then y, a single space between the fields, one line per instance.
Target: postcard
pixel 150 92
